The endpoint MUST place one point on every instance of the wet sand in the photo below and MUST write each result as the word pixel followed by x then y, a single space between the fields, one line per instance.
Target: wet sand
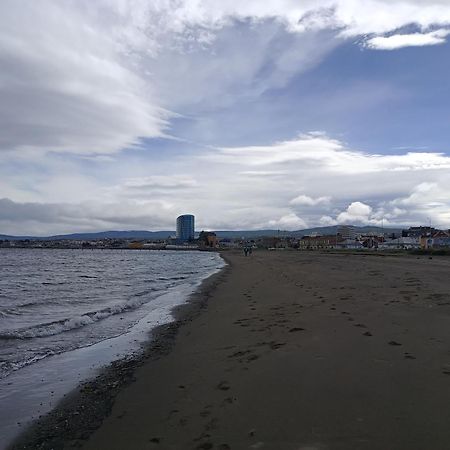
pixel 295 350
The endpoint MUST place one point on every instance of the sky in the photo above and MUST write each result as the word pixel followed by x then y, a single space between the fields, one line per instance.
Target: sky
pixel 282 114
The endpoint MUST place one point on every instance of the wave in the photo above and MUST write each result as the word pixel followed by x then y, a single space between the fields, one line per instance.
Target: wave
pixel 18 308
pixel 73 323
pixel 7 367
pixel 172 278
pixel 9 312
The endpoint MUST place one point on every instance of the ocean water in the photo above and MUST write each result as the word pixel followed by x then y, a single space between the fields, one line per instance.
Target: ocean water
pixel 64 314
pixel 55 301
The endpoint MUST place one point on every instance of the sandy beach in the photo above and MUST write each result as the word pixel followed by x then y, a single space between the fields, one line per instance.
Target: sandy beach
pixel 285 350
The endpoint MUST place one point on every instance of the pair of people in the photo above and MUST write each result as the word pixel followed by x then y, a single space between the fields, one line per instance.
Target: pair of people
pixel 247 250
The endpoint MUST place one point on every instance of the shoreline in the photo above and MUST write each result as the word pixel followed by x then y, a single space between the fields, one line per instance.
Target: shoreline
pixel 285 350
pixel 83 409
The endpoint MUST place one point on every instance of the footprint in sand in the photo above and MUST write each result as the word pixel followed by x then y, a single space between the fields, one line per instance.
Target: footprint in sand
pixel 212 424
pixel 367 333
pixel 295 329
pixel 223 386
pixel 205 412
pixel 394 343
pixel 204 446
pixel 277 345
pixel 228 401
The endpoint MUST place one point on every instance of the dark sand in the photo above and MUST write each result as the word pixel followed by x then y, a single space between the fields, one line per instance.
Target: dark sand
pixel 296 350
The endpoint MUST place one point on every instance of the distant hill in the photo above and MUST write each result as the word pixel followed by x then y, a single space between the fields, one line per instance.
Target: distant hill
pixel 246 234
pixel 132 234
pixel 5 237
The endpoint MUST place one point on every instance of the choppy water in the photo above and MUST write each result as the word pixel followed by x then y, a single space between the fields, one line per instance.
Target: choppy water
pixel 54 301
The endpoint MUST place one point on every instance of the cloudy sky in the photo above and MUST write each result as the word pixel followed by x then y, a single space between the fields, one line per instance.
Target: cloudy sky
pixel 285 114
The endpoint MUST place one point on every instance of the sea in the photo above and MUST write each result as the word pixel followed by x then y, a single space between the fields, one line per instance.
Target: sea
pixel 64 314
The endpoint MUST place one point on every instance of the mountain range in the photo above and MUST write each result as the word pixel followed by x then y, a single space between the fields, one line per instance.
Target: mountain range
pixel 156 235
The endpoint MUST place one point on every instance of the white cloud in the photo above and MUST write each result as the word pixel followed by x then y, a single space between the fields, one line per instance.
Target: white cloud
pixel 331 155
pixel 93 78
pixel 424 203
pixel 263 173
pixel 64 87
pixel 355 17
pixel 326 221
pixel 160 181
pixel 397 41
pixel 428 200
pixel 397 189
pixel 304 200
pixel 38 218
pixel 288 222
pixel 96 77
pixel 357 212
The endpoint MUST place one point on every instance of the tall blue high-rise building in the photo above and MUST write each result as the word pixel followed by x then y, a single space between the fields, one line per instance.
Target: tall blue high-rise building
pixel 185 227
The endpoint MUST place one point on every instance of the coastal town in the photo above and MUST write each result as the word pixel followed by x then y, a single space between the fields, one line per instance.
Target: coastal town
pixel 346 237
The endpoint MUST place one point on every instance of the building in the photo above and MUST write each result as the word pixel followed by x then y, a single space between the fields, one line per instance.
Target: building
pixel 350 244
pixel 208 239
pixel 419 232
pixel 406 243
pixel 439 240
pixel 185 227
pixel 346 231
pixel 318 242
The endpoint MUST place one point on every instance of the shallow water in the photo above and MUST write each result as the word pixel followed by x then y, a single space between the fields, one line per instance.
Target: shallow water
pixel 52 301
pixel 66 313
